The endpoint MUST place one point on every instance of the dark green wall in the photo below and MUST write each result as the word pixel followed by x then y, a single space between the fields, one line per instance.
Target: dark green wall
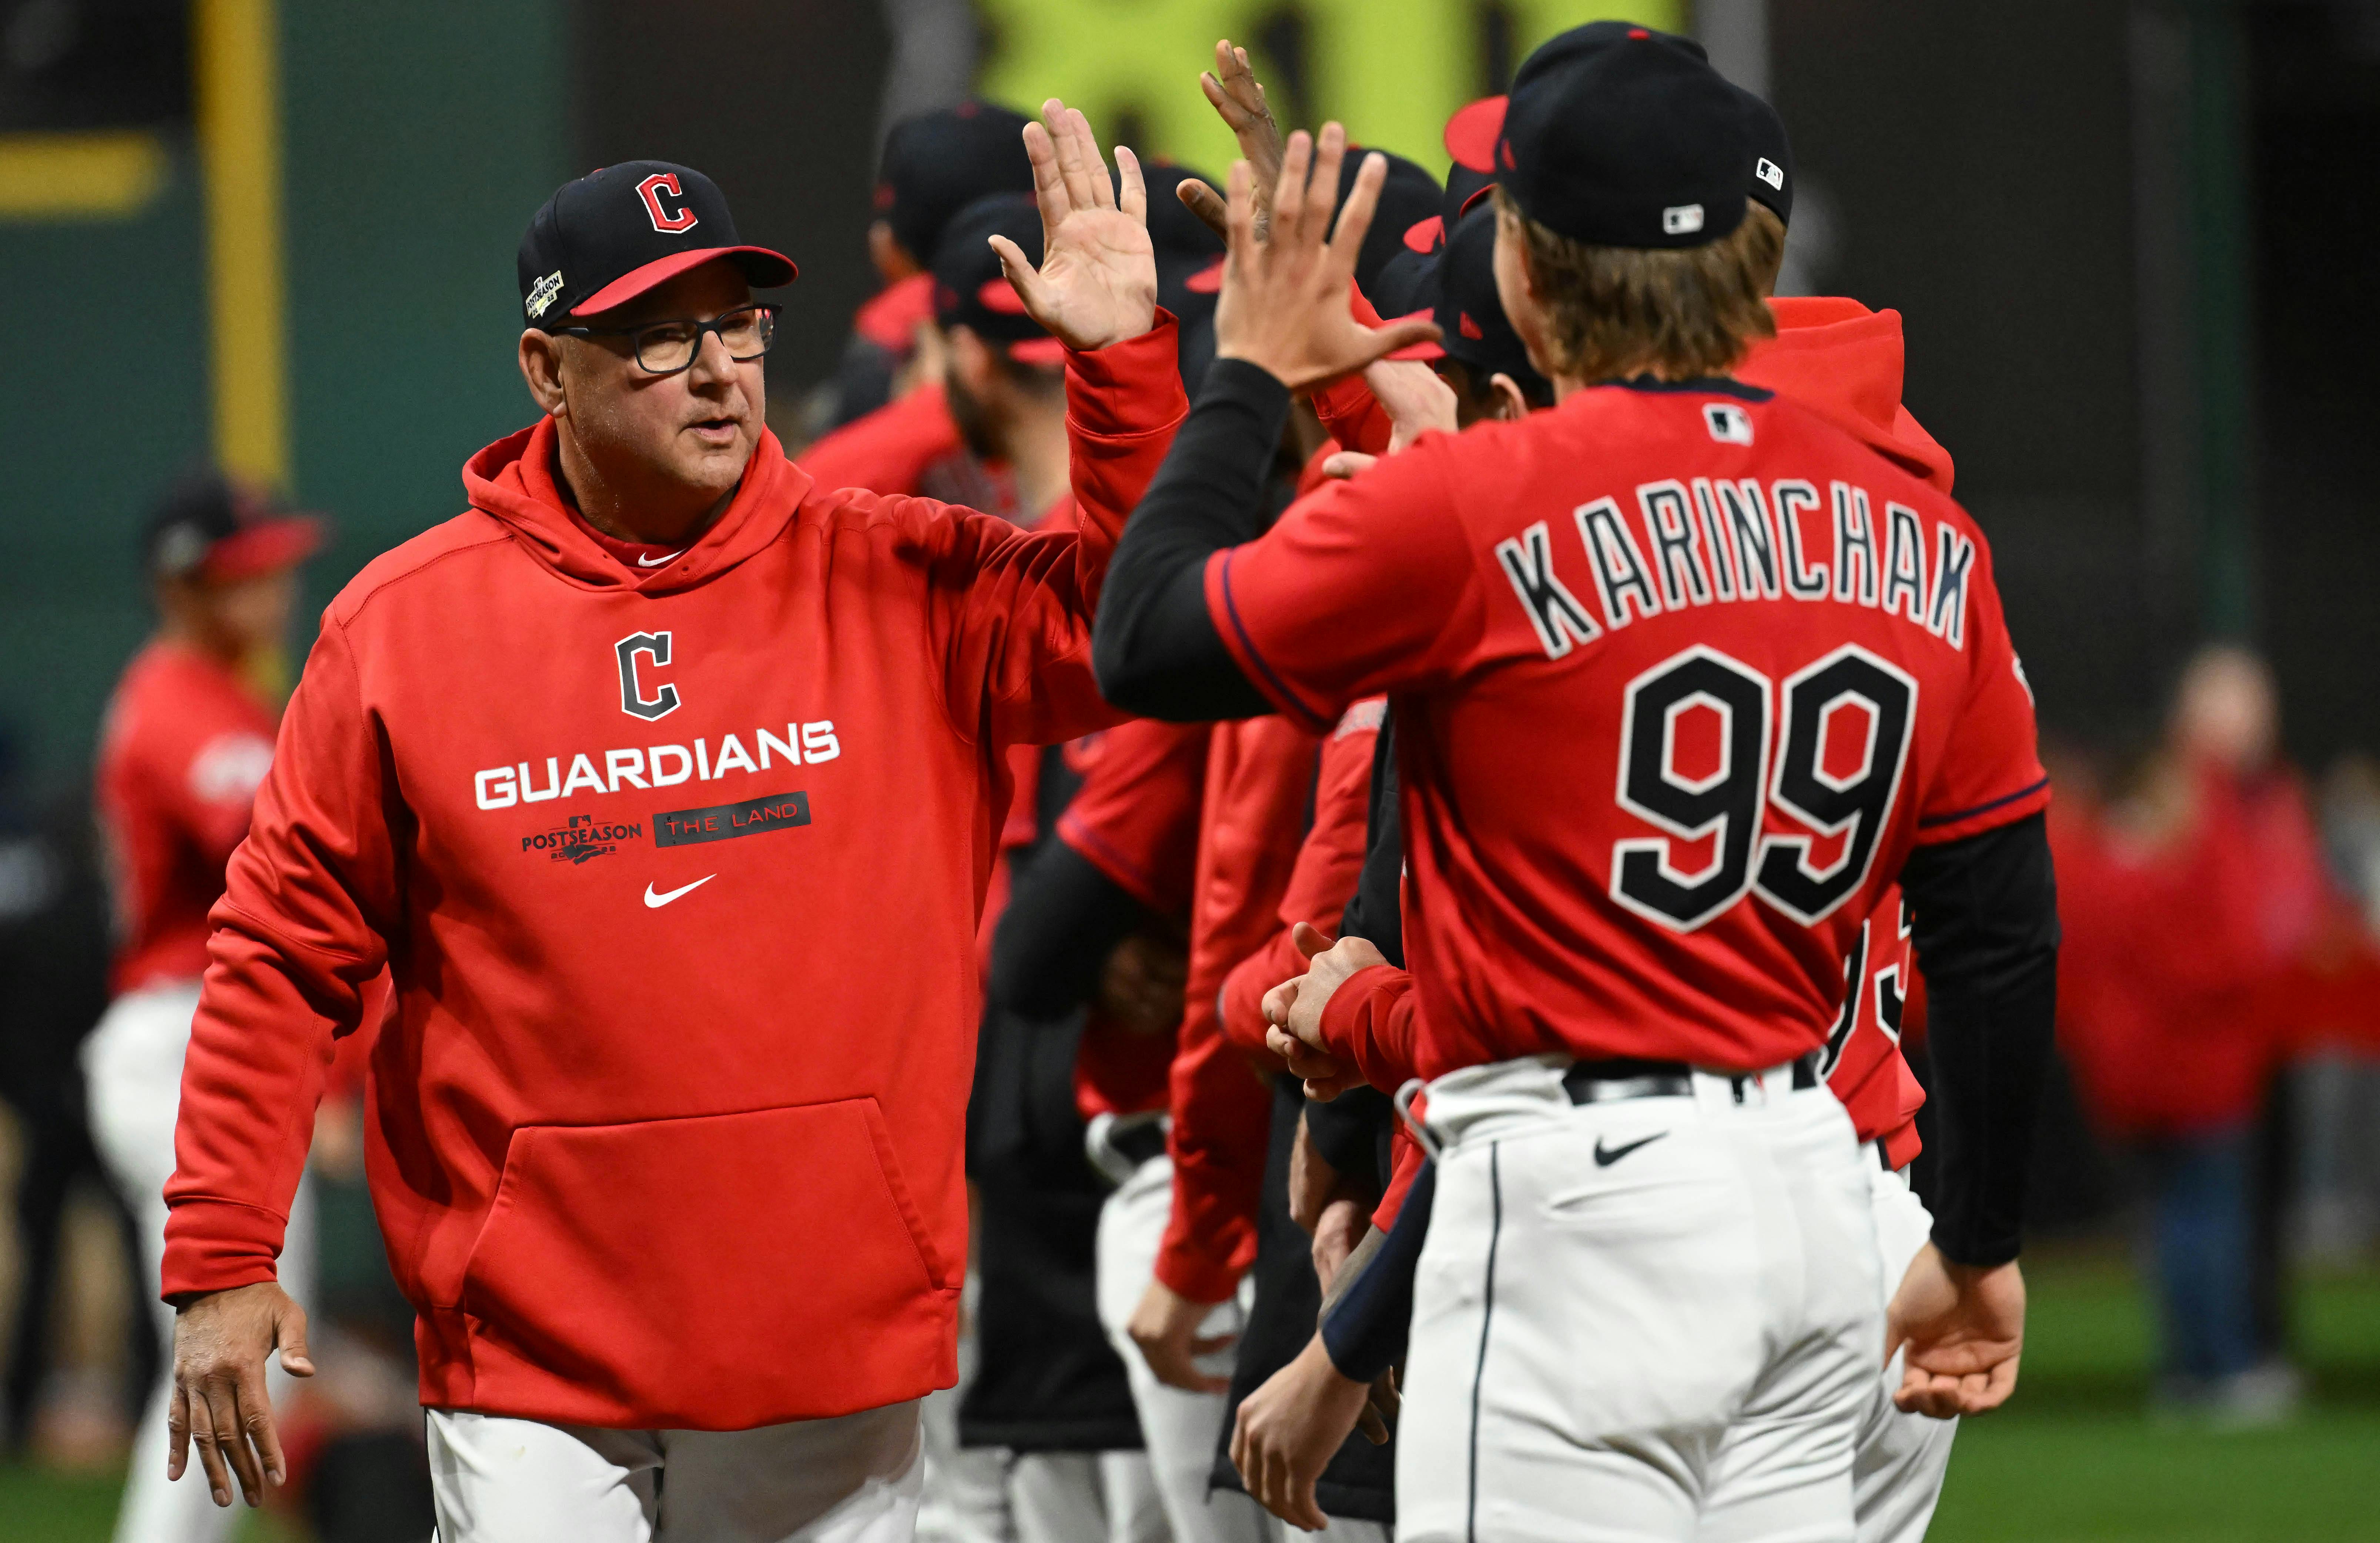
pixel 418 141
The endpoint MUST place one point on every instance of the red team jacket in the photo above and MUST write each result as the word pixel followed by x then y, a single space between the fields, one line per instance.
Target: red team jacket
pixel 1260 775
pixel 1136 819
pixel 184 747
pixel 1759 657
pixel 676 870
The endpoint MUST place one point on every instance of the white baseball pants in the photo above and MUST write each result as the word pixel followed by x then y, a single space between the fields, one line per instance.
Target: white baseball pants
pixel 851 1479
pixel 1182 1429
pixel 132 1068
pixel 1654 1321
pixel 1179 1428
pixel 1897 1471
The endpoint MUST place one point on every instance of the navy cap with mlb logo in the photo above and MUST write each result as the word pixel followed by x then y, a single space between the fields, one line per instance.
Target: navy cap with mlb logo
pixel 1625 136
pixel 613 234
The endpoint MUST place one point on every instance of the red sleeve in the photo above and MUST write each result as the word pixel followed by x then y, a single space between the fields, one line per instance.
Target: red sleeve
pixel 1404 1166
pixel 886 451
pixel 1346 406
pixel 1011 611
pixel 312 893
pixel 1324 879
pixel 1221 1128
pixel 1136 817
pixel 1365 587
pixel 1990 773
pixel 1371 1023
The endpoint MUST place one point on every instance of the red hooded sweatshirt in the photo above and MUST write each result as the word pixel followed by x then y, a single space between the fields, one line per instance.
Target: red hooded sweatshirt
pixel 676 870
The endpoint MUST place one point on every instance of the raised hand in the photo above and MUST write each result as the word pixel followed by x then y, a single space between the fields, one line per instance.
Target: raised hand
pixel 1239 101
pixel 1097 283
pixel 1283 307
pixel 1963 1331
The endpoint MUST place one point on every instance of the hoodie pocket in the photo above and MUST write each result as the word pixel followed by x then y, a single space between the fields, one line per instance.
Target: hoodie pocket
pixel 676 1258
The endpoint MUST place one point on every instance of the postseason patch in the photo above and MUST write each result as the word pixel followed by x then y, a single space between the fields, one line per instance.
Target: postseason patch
pixel 725 822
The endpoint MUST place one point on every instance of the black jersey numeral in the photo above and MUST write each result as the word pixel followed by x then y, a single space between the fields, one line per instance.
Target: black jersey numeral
pixel 1849 692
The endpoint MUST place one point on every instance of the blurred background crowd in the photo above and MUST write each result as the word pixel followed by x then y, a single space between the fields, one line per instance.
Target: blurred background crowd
pixel 275 238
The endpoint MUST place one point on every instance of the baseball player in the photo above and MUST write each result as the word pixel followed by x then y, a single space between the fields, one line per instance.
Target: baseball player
pixel 932 165
pixel 188 738
pixel 1658 766
pixel 1838 356
pixel 619 771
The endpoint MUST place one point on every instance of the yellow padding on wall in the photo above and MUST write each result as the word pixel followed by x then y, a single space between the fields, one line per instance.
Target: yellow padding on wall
pixel 108 174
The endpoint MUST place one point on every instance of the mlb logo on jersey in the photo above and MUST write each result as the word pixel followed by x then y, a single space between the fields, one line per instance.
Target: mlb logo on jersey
pixel 1729 423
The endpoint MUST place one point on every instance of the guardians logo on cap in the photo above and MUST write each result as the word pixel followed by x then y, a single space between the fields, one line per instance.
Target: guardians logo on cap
pixel 615 233
pixel 1626 138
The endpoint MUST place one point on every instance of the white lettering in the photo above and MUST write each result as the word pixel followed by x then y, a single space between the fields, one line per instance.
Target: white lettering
pixel 625 766
pixel 731 753
pixel 496 788
pixel 684 765
pixel 582 775
pixel 552 781
pixel 784 747
pixel 819 742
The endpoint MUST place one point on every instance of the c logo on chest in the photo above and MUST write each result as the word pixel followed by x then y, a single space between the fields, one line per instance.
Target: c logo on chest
pixel 633 700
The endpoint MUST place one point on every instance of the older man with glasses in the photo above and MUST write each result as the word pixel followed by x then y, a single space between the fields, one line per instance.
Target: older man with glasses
pixel 666 783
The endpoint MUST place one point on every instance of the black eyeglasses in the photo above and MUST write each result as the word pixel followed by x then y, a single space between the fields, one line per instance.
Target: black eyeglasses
pixel 666 347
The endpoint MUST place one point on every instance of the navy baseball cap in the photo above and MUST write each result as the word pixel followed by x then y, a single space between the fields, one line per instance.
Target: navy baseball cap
pixel 613 234
pixel 1471 136
pixel 936 164
pixel 1471 322
pixel 1630 141
pixel 1408 198
pixel 972 290
pixel 211 528
pixel 1772 157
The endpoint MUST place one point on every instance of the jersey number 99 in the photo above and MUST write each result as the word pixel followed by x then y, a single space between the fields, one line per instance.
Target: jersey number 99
pixel 1849 692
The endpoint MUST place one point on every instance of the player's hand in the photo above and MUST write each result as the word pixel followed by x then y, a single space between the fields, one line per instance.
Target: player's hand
pixel 1140 985
pixel 1963 1331
pixel 1414 398
pixel 1313 1182
pixel 1283 304
pixel 221 1343
pixel 1343 1225
pixel 1344 464
pixel 1239 100
pixel 1165 1327
pixel 1287 1430
pixel 1294 1009
pixel 1097 283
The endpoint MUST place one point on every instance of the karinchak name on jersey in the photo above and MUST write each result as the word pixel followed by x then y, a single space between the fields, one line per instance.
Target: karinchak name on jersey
pixel 1715 541
pixel 585 838
pixel 652 766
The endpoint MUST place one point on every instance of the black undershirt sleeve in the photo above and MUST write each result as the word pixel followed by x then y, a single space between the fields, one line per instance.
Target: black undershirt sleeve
pixel 1063 919
pixel 1153 646
pixel 1376 912
pixel 1984 912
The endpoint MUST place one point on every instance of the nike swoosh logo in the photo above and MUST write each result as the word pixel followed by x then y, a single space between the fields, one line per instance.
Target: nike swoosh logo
pixel 644 562
pixel 655 902
pixel 1606 1157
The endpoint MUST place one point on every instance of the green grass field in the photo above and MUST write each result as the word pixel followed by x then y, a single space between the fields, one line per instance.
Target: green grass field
pixel 2076 1459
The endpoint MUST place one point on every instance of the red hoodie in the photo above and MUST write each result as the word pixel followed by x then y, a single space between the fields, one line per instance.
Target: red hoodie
pixel 676 871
